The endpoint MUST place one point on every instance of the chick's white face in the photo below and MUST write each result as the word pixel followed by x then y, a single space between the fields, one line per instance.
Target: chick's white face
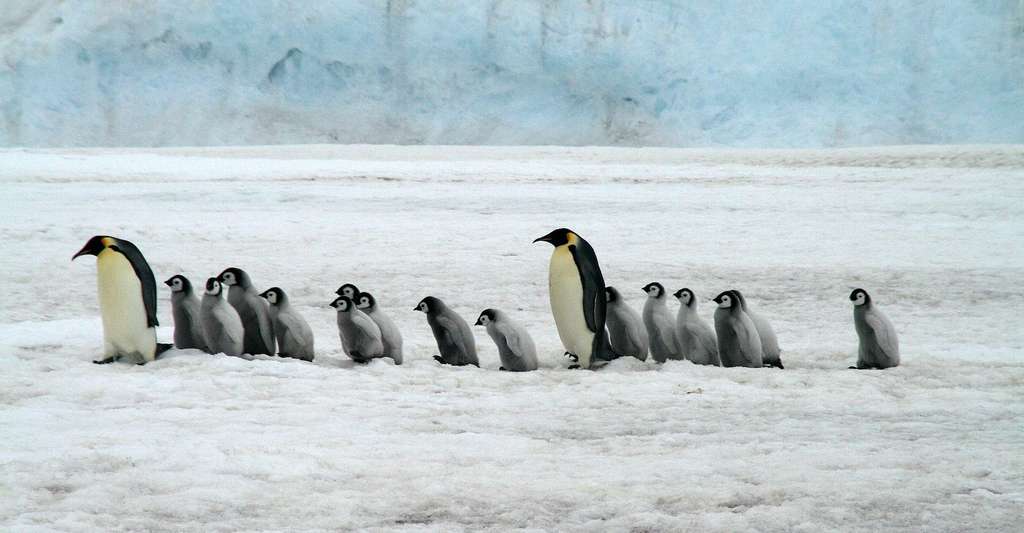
pixel 685 297
pixel 229 278
pixel 272 297
pixel 653 291
pixel 484 320
pixel 213 288
pixel 726 302
pixel 364 302
pixel 348 291
pixel 423 306
pixel 859 299
pixel 342 305
pixel 176 285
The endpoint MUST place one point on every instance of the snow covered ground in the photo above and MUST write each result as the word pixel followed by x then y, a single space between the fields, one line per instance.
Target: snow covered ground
pixel 214 443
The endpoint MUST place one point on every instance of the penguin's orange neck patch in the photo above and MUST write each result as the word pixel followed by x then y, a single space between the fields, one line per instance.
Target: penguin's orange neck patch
pixel 571 238
pixel 107 241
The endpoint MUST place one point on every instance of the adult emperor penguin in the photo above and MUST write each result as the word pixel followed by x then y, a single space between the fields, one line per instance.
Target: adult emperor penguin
pixel 576 289
pixel 127 295
pixel 254 311
pixel 389 333
pixel 454 338
pixel 661 325
pixel 222 327
pixel 515 346
pixel 294 336
pixel 696 339
pixel 188 331
pixel 769 343
pixel 738 341
pixel 879 347
pixel 360 335
pixel 626 332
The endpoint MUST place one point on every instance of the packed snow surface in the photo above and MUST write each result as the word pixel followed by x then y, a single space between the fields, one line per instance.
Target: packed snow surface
pixel 205 442
pixel 783 73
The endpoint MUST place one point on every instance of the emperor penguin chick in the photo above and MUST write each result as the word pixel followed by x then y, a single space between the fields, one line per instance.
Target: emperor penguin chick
pixel 390 336
pixel 738 341
pixel 454 338
pixel 294 336
pixel 661 325
pixel 878 347
pixel 222 327
pixel 626 330
pixel 769 343
pixel 360 335
pixel 254 311
pixel 696 339
pixel 188 330
pixel 515 346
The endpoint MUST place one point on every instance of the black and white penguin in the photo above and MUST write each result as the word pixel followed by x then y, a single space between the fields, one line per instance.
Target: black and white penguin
pixel 660 324
pixel 576 288
pixel 454 338
pixel 738 341
pixel 696 339
pixel 769 342
pixel 515 346
pixel 294 336
pixel 626 331
pixel 349 291
pixel 127 295
pixel 879 347
pixel 188 331
pixel 253 310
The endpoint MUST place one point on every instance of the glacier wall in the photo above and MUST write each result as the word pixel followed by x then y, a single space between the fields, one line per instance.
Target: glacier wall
pixel 791 73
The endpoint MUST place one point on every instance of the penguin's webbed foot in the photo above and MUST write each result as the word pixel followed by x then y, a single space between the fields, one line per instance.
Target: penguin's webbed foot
pixel 574 367
pixel 440 359
pixel 572 357
pixel 105 361
pixel 503 369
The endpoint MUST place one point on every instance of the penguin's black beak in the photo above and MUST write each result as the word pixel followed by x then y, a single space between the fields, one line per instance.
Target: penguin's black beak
pixel 167 282
pixel 546 238
pixel 478 322
pixel 264 293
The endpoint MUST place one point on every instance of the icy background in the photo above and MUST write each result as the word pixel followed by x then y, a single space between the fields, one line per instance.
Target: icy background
pixel 619 72
pixel 212 443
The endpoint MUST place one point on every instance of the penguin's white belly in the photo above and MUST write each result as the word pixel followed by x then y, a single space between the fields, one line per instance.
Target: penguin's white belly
pixel 125 328
pixel 566 292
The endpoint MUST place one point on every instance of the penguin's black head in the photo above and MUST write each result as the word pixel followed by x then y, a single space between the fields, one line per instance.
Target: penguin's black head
pixel 860 297
pixel 343 304
pixel 213 287
pixel 611 294
pixel 179 283
pixel 558 237
pixel 726 300
pixel 275 296
pixel 234 276
pixel 654 289
pixel 429 305
pixel 486 317
pixel 366 301
pixel 349 290
pixel 96 245
pixel 684 295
